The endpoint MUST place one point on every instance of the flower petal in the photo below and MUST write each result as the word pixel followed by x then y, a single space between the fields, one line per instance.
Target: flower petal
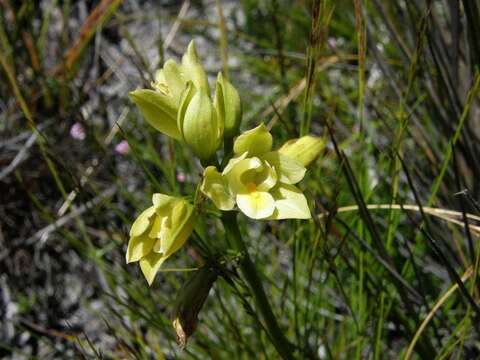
pixel 305 149
pixel 193 69
pixel 290 203
pixel 215 187
pixel 174 79
pixel 185 98
pixel 139 247
pixel 239 175
pixel 267 178
pixel 158 110
pixel 143 222
pixel 255 141
pixel 161 230
pixel 290 171
pixel 256 205
pixel 232 162
pixel 183 223
pixel 176 220
pixel 150 265
pixel 163 204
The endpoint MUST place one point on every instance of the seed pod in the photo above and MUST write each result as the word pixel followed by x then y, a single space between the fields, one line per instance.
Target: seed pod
pixel 189 302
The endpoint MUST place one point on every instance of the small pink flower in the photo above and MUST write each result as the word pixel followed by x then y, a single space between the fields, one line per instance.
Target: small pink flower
pixel 77 131
pixel 332 42
pixel 122 147
pixel 180 177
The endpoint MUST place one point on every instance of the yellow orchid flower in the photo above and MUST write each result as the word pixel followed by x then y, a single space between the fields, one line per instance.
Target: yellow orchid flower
pixel 158 232
pixel 180 105
pixel 261 182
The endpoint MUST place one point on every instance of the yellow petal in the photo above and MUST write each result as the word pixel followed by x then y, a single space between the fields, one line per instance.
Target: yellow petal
pixel 232 162
pixel 267 178
pixel 139 247
pixel 185 221
pixel 238 175
pixel 160 230
pixel 185 99
pixel 142 223
pixel 215 187
pixel 180 225
pixel 290 171
pixel 256 205
pixel 150 265
pixel 290 203
pixel 255 141
pixel 173 78
pixel 160 76
pixel 158 110
pixel 305 149
pixel 163 204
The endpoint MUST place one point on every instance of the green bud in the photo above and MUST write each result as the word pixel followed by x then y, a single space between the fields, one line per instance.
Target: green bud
pixel 199 123
pixel 193 69
pixel 227 95
pixel 189 302
pixel 305 149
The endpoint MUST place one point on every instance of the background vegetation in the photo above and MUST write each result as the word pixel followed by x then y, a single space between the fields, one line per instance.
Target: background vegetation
pixel 391 85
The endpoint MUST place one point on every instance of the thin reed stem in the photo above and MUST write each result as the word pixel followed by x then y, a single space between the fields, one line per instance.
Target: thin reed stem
pixel 281 344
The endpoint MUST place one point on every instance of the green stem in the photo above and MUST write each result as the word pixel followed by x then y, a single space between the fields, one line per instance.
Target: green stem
pixel 281 344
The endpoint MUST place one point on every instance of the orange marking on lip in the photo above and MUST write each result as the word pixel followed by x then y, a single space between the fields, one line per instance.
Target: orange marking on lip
pixel 251 187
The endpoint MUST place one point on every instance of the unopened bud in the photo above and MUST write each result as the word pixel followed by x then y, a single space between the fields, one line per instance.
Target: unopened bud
pixel 226 96
pixel 199 123
pixel 305 149
pixel 193 69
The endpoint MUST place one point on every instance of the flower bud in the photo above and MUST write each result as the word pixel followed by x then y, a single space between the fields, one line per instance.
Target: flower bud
pixel 199 122
pixel 226 96
pixel 193 69
pixel 305 149
pixel 189 302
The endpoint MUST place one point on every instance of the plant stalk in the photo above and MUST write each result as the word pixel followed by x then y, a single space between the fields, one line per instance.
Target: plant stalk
pixel 279 341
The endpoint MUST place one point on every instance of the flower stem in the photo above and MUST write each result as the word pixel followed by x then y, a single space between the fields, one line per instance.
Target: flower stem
pixel 279 341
